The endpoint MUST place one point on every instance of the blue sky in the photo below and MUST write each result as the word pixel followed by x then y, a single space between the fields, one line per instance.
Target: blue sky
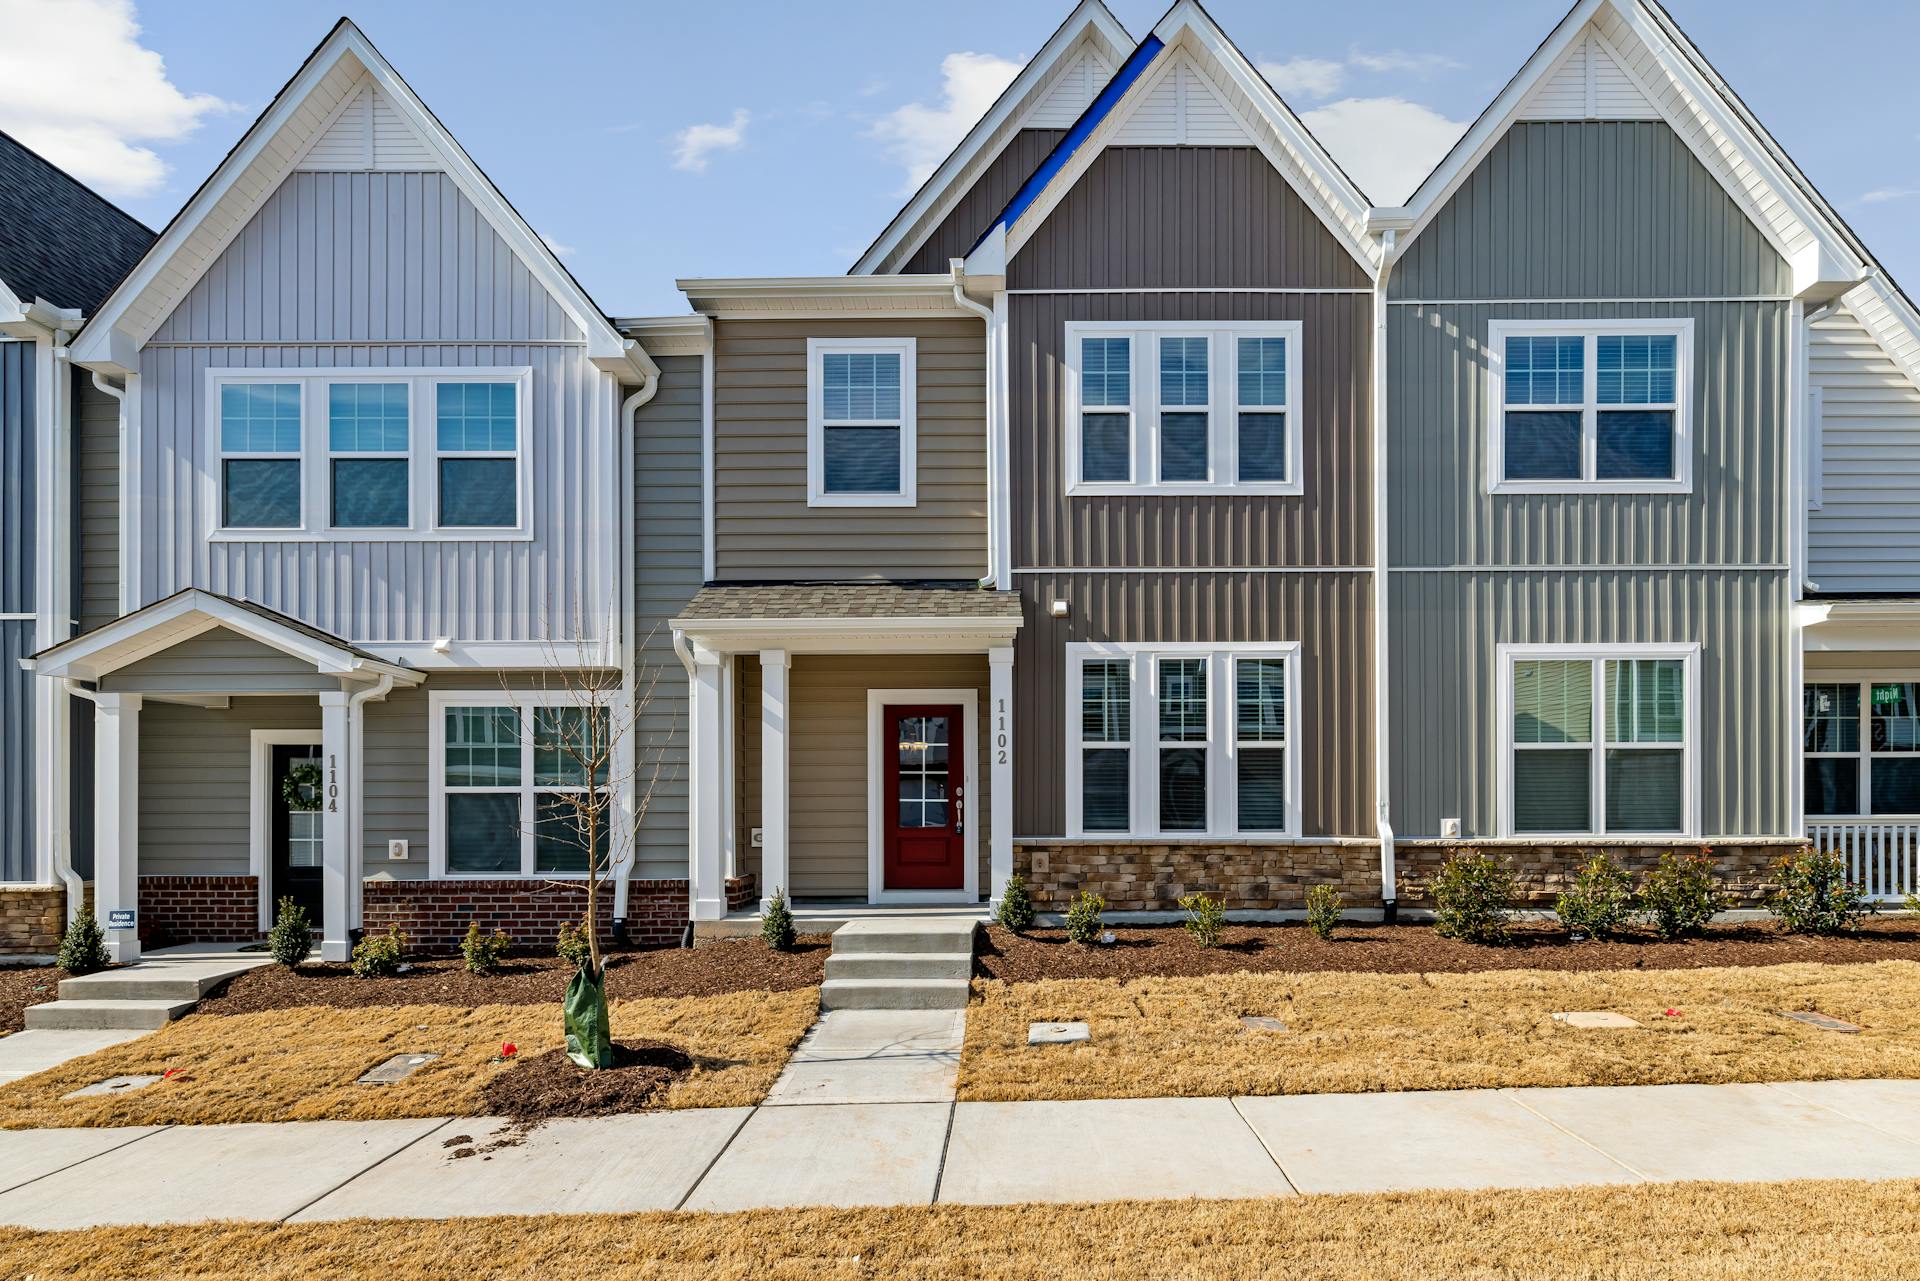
pixel 740 137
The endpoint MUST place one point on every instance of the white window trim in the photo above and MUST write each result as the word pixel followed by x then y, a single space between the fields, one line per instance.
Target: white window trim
pixel 423 457
pixel 1688 655
pixel 1144 741
pixel 438 701
pixel 222 455
pixel 906 349
pixel 262 792
pixel 1498 331
pixel 412 387
pixel 1863 800
pixel 1223 408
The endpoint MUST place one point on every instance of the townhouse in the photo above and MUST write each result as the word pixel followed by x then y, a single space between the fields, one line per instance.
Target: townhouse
pixel 1147 511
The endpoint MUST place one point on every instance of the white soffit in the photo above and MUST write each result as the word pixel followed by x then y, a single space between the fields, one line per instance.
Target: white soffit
pixel 1588 83
pixel 369 132
pixel 1072 89
pixel 1886 314
pixel 1180 107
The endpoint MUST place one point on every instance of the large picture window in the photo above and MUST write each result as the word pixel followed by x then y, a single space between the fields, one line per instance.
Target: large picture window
pixel 512 784
pixel 860 422
pixel 1861 745
pixel 1182 740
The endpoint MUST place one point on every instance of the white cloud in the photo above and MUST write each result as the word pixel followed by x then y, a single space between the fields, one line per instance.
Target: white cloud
pixel 1419 64
pixel 559 250
pixel 1305 77
pixel 1387 145
pixel 920 136
pixel 77 86
pixel 695 143
pixel 1885 194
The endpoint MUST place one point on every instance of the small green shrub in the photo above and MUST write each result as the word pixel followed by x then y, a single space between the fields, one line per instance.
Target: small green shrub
pixel 1083 918
pixel 1600 902
pixel 378 956
pixel 484 952
pixel 1470 896
pixel 776 922
pixel 1324 906
pixel 1814 894
pixel 291 938
pixel 1911 903
pixel 1681 895
pixel 1205 918
pixel 1016 905
pixel 572 945
pixel 83 948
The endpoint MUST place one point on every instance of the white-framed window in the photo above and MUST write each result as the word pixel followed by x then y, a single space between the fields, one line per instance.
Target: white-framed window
pixel 503 766
pixel 1599 406
pixel 861 403
pixel 1182 407
pixel 1182 740
pixel 1598 740
pixel 389 454
pixel 1861 744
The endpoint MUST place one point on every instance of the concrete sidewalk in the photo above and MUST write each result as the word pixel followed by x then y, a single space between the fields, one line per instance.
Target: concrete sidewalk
pixel 917 1153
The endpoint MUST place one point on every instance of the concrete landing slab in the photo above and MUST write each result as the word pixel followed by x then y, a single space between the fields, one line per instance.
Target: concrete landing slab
pixel 1057 1033
pixel 1421 1139
pixel 845 1033
pixel 1104 1150
pixel 26 1155
pixel 598 1165
pixel 114 1085
pixel 1734 1132
pixel 38 1049
pixel 191 1173
pixel 847 1155
pixel 868 1078
pixel 1594 1019
pixel 1825 1022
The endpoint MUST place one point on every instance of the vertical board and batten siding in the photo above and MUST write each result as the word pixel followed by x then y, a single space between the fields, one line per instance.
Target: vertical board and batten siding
pixel 983 201
pixel 377 270
pixel 1330 615
pixel 19 422
pixel 763 528
pixel 96 484
pixel 195 778
pixel 16 751
pixel 667 524
pixel 1444 683
pixel 1865 535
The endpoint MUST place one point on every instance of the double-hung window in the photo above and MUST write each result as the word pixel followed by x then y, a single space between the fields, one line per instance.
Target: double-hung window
pixel 1598 741
pixel 1182 407
pixel 521 781
pixel 368 447
pixel 1598 406
pixel 860 422
pixel 1861 743
pixel 1182 740
pixel 477 439
pixel 260 433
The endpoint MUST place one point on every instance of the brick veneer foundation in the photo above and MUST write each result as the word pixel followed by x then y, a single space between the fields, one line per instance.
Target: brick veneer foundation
pixel 434 914
pixel 198 909
pixel 32 919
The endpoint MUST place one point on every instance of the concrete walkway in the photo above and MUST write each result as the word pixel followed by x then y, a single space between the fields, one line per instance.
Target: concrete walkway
pixel 917 1153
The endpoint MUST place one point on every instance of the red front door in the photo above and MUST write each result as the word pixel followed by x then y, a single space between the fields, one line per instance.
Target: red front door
pixel 925 795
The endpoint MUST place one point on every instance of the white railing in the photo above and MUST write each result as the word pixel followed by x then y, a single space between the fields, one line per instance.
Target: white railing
pixel 1882 858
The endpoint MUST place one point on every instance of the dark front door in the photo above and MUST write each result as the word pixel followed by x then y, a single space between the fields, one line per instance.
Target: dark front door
pixel 926 801
pixel 296 832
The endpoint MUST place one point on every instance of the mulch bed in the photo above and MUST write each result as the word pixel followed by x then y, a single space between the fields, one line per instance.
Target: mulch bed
pixel 538 1089
pixel 1144 951
pixel 24 985
pixel 731 965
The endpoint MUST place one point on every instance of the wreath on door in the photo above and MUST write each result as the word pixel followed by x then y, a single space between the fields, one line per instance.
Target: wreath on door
pixel 301 788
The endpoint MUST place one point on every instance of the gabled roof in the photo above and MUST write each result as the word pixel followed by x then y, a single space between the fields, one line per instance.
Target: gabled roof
pixel 1186 53
pixel 328 84
pixel 1090 43
pixel 63 242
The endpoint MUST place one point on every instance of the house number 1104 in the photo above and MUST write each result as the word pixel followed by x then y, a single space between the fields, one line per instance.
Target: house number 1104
pixel 333 783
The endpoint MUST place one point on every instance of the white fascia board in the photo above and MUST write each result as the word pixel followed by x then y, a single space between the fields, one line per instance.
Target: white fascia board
pixel 1090 20
pixel 669 335
pixel 822 296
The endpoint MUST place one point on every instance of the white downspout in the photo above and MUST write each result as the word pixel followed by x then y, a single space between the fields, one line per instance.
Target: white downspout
pixel 125 551
pixel 958 268
pixel 63 844
pixel 1382 724
pixel 630 415
pixel 356 807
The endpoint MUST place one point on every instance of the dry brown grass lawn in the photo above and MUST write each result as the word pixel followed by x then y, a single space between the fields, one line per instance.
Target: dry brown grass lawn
pixel 1700 1231
pixel 300 1064
pixel 1355 1032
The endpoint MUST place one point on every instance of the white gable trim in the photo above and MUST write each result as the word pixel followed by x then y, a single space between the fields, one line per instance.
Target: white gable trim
pixel 1090 38
pixel 1886 314
pixel 368 132
pixel 1589 83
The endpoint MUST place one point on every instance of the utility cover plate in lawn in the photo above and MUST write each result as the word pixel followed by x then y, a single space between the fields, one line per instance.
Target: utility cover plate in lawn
pixel 1825 1022
pixel 1261 1023
pixel 1594 1019
pixel 1057 1033
pixel 396 1069
pixel 113 1085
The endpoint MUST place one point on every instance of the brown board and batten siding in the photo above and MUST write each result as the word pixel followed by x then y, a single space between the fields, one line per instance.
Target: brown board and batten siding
pixel 983 201
pixel 763 528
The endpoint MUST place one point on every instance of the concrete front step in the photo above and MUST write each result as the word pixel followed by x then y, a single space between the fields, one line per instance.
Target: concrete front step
pixel 144 1015
pixel 948 935
pixel 900 965
pixel 159 978
pixel 894 994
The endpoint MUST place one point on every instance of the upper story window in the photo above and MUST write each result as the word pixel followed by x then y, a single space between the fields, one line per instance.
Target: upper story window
pixel 1184 407
pixel 307 454
pixel 1862 747
pixel 860 422
pixel 1590 406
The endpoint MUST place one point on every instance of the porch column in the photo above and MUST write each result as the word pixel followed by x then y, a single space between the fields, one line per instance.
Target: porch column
pixel 707 788
pixel 1000 763
pixel 774 666
pixel 336 855
pixel 116 821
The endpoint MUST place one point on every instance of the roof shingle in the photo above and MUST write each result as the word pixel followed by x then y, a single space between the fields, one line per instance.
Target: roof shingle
pixel 850 601
pixel 59 239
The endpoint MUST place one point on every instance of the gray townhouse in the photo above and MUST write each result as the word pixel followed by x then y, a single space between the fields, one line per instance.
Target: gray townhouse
pixel 1146 511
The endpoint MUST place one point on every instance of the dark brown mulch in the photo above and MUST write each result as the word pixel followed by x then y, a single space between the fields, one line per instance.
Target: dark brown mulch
pixel 24 985
pixel 1142 951
pixel 730 965
pixel 549 1085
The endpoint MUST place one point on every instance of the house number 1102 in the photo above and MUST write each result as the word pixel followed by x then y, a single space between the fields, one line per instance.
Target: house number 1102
pixel 1000 731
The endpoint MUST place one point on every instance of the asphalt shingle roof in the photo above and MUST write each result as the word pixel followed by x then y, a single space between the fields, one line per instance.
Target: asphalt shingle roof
pixel 849 600
pixel 59 240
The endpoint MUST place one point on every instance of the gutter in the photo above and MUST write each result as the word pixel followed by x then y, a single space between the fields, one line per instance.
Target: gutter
pixel 1382 724
pixel 958 266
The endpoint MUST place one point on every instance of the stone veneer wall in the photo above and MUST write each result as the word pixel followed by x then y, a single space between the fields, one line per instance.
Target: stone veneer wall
pixel 1544 872
pixel 32 919
pixel 434 914
pixel 198 909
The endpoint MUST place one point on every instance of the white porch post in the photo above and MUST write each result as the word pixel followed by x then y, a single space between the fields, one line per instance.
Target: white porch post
pixel 1000 764
pixel 774 666
pixel 707 785
pixel 116 821
pixel 336 858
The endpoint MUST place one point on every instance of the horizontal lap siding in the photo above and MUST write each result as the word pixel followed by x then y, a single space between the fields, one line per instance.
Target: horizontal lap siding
pixel 983 201
pixel 96 429
pixel 1866 534
pixel 218 662
pixel 194 781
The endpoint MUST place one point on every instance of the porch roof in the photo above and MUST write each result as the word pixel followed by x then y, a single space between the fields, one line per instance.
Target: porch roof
pixel 848 616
